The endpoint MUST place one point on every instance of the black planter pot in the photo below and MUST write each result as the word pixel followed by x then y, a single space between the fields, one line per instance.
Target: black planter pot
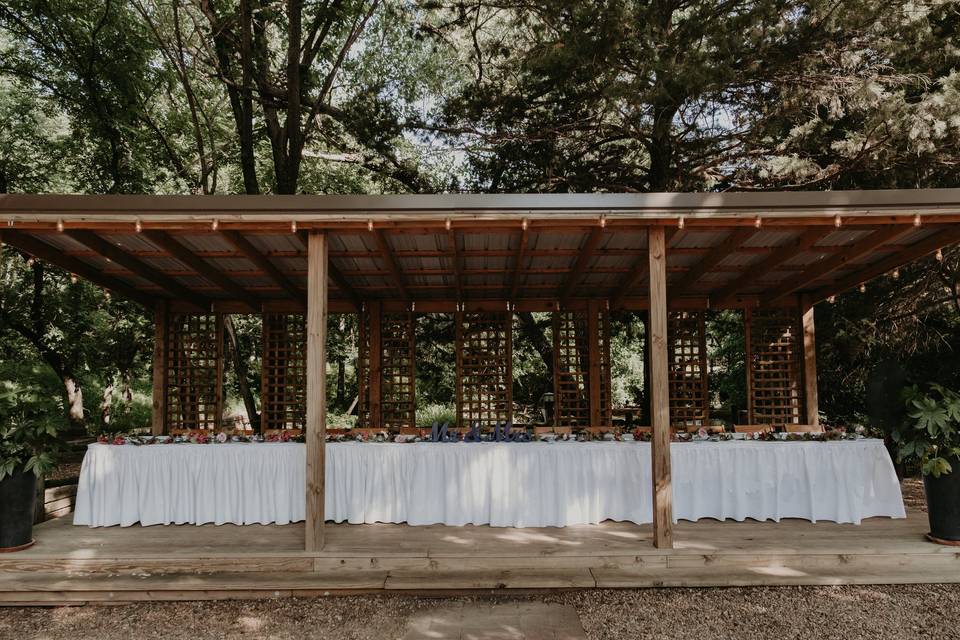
pixel 943 505
pixel 18 493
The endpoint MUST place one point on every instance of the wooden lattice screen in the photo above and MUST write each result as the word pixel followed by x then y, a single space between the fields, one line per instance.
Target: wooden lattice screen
pixel 395 334
pixel 572 368
pixel 775 367
pixel 484 368
pixel 194 375
pixel 687 359
pixel 283 374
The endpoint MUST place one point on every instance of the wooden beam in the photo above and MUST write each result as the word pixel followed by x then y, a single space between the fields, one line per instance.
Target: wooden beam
pixel 251 253
pixel 777 257
pixel 583 260
pixel 518 262
pixel 455 258
pixel 316 393
pixel 48 253
pixel 115 254
pixel 201 266
pixel 837 261
pixel 593 361
pixel 158 415
pixel 637 271
pixel 387 254
pixel 810 395
pixel 944 238
pixel 712 259
pixel 343 285
pixel 660 392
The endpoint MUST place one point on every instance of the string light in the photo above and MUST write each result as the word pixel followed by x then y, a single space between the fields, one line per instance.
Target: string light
pixel 838 221
pixel 603 222
pixel 370 224
pixel 896 274
pixel 138 225
pixel 917 220
pixel 73 278
pixel 939 255
pixel 758 222
pixel 106 294
pixel 447 224
pixel 863 288
pixel 832 299
pixel 215 224
pixel 293 226
pixel 680 222
pixel 30 261
pixel 524 224
pixel 60 226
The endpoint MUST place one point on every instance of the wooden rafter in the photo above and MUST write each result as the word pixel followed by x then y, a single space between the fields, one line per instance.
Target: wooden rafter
pixel 251 253
pixel 583 261
pixel 387 254
pixel 518 259
pixel 945 238
pixel 712 259
pixel 48 253
pixel 824 267
pixel 778 257
pixel 343 285
pixel 637 271
pixel 201 266
pixel 115 254
pixel 454 255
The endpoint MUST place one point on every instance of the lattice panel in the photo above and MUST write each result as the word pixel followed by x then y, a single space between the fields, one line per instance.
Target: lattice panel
pixel 397 371
pixel 776 379
pixel 484 368
pixel 284 374
pixel 687 359
pixel 571 370
pixel 194 376
pixel 606 368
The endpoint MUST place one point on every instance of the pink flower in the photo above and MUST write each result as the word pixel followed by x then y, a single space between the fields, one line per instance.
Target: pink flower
pixel 702 433
pixel 221 437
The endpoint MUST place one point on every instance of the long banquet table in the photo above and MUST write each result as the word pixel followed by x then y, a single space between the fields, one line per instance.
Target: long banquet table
pixel 500 484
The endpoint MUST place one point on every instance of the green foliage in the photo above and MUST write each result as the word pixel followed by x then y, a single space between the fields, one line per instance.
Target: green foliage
pixel 439 413
pixel 931 435
pixel 28 430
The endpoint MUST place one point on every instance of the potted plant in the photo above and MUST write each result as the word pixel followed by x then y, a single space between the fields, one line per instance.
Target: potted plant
pixel 28 445
pixel 930 436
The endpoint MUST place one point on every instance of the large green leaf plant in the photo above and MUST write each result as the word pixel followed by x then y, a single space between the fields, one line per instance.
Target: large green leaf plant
pixel 931 433
pixel 28 431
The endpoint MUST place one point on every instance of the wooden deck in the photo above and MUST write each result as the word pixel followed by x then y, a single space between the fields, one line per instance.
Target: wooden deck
pixel 78 564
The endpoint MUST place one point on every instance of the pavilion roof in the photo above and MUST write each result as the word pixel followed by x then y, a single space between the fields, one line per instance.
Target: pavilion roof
pixel 535 252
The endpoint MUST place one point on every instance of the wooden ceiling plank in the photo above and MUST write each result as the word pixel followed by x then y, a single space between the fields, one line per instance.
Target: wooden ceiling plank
pixel 336 275
pixel 712 259
pixel 386 253
pixel 580 266
pixel 825 267
pixel 637 271
pixel 944 238
pixel 201 266
pixel 251 253
pixel 115 254
pixel 518 259
pixel 454 255
pixel 48 253
pixel 778 257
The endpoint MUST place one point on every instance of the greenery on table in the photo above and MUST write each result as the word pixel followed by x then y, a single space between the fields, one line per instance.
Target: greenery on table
pixel 930 434
pixel 533 96
pixel 28 430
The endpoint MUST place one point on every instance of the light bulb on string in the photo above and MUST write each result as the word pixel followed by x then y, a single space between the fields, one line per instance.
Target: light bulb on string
pixel 680 222
pixel 939 255
pixel 215 224
pixel 832 299
pixel 30 261
pixel 917 220
pixel 138 226
pixel 896 274
pixel 863 288
pixel 838 221
pixel 758 222
pixel 60 226
pixel 293 226
pixel 73 278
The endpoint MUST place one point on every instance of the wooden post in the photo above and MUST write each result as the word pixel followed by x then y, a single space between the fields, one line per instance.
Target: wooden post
pixel 316 395
pixel 660 393
pixel 374 370
pixel 748 356
pixel 593 365
pixel 158 416
pixel 458 377
pixel 811 400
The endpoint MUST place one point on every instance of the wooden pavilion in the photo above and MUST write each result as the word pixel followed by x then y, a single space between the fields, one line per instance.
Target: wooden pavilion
pixel 296 259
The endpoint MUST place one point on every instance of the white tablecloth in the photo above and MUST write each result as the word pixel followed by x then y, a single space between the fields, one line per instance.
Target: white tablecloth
pixel 517 485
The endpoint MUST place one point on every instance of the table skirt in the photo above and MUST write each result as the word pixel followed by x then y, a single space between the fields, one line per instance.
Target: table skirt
pixel 500 484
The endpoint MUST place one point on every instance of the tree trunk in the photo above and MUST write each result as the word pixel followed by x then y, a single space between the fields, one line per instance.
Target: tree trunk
pixel 341 383
pixel 241 371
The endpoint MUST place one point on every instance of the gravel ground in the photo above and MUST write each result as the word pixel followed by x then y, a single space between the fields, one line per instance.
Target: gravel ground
pixel 784 613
